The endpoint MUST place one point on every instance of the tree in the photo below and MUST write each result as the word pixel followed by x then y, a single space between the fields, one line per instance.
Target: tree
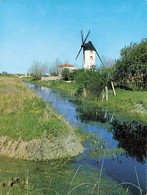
pixel 106 70
pixel 53 68
pixel 38 69
pixel 4 73
pixel 108 62
pixel 131 68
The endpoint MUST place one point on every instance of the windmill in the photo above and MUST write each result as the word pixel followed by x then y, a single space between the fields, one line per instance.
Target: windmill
pixel 89 53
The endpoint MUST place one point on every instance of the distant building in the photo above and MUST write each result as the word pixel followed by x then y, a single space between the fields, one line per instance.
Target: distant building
pixel 65 66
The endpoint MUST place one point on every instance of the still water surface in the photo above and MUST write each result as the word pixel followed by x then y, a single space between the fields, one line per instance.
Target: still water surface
pixel 119 164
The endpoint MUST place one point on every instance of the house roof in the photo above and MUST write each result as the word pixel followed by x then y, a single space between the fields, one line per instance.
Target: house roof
pixel 65 65
pixel 89 46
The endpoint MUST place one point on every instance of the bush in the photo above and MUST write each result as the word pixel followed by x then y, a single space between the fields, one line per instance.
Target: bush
pixel 69 76
pixel 91 81
pixel 65 74
pixel 53 74
pixel 72 75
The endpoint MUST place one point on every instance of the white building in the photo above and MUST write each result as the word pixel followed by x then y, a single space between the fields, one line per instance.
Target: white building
pixel 89 57
pixel 65 66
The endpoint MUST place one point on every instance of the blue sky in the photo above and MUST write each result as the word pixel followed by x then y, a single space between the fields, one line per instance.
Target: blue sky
pixel 43 30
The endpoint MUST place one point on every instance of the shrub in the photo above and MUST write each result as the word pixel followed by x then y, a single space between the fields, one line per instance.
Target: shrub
pixel 65 74
pixel 91 81
pixel 53 74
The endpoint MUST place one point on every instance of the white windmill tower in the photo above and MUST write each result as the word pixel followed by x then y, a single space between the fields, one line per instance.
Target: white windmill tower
pixel 89 53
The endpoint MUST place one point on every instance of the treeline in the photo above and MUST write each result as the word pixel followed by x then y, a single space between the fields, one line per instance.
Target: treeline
pixel 6 74
pixel 128 72
pixel 39 69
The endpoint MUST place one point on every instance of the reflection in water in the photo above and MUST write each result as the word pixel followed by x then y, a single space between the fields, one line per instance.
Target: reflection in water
pixel 132 137
pixel 91 112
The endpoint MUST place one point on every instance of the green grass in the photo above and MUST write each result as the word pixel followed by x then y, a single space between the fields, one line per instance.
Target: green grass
pixel 23 114
pixel 60 84
pixel 130 103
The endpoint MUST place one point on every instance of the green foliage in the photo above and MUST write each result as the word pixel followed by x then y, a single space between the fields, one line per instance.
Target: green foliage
pixel 72 75
pixel 91 81
pixel 130 70
pixel 53 74
pixel 69 75
pixel 106 74
pixel 65 74
pixel 97 143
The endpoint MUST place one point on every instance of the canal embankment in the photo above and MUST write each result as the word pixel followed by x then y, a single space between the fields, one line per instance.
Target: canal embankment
pixel 30 129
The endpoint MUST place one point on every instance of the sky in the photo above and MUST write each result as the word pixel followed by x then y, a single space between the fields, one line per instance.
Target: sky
pixel 44 30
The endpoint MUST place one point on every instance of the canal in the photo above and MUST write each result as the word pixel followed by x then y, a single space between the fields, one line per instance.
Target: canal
pixel 115 152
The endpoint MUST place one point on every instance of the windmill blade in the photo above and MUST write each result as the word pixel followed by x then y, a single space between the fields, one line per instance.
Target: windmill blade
pixel 86 37
pixel 82 46
pixel 82 36
pixel 78 53
pixel 83 55
pixel 99 57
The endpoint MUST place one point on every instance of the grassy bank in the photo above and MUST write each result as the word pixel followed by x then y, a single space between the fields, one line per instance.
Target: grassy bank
pixel 131 103
pixel 23 114
pixel 28 124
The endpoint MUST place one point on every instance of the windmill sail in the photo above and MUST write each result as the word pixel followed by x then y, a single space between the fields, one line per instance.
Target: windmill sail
pixel 83 43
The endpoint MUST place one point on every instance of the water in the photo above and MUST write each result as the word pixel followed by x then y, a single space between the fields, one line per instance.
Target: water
pixel 119 164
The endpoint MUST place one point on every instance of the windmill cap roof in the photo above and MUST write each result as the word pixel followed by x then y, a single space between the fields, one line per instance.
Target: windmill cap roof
pixel 65 65
pixel 89 46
